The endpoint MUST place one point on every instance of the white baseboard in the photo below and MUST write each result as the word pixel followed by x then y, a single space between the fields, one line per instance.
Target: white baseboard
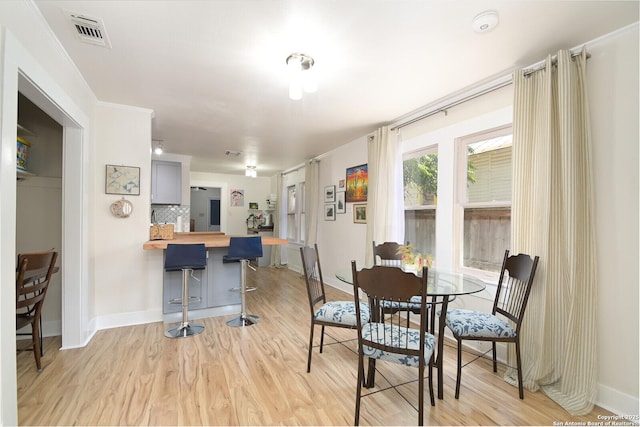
pixel 118 320
pixel 617 402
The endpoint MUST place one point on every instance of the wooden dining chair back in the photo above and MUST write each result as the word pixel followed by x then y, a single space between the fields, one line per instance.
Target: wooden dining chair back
pixel 32 281
pixel 388 337
pixel 341 314
pixel 387 254
pixel 504 322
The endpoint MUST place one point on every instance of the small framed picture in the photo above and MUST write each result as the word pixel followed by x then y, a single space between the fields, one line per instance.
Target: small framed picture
pixel 360 213
pixel 253 205
pixel 123 180
pixel 330 212
pixel 330 194
pixel 341 205
pixel 341 183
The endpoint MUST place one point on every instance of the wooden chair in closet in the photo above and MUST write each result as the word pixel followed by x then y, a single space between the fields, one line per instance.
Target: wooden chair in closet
pixel 32 281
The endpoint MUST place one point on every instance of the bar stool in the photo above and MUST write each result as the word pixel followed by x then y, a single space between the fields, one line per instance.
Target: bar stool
pixel 243 249
pixel 186 258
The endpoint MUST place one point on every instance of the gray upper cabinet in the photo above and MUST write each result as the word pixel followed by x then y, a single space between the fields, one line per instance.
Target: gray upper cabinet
pixel 166 182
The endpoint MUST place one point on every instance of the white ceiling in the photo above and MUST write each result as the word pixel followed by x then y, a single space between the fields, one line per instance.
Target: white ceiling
pixel 214 71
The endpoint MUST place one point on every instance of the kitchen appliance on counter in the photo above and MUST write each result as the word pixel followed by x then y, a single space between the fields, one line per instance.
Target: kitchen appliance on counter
pixel 252 221
pixel 267 220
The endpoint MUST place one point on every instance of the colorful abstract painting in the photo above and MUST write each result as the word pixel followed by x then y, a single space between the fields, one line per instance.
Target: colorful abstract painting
pixel 357 184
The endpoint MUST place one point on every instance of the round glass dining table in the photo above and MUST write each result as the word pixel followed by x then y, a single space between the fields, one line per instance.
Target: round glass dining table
pixel 445 285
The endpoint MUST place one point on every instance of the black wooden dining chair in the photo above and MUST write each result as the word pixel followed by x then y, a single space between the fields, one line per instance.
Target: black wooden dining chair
pixel 504 322
pixel 32 281
pixel 387 337
pixel 341 314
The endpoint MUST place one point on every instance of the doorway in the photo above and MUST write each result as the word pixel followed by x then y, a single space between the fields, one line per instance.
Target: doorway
pixel 39 201
pixel 73 261
pixel 205 208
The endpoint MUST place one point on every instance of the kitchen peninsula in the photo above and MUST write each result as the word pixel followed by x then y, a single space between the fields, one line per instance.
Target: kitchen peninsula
pixel 211 285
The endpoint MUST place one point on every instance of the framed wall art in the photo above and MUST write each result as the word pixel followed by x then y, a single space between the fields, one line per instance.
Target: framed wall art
pixel 330 193
pixel 360 213
pixel 236 198
pixel 123 180
pixel 357 184
pixel 330 212
pixel 341 204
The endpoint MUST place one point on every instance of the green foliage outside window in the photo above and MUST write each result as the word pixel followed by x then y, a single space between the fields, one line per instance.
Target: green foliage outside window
pixel 421 177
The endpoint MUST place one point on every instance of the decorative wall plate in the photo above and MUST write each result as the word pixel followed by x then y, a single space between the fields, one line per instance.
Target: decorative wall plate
pixel 121 208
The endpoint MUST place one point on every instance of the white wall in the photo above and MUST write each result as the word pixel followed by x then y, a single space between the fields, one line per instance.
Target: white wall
pixel 123 136
pixel 342 240
pixel 612 81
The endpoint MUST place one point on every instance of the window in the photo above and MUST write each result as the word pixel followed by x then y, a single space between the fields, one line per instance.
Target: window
pixel 484 197
pixel 420 175
pixel 303 223
pixel 291 213
pixel 295 213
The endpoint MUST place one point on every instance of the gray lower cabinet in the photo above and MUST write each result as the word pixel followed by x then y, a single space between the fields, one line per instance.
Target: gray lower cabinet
pixel 212 287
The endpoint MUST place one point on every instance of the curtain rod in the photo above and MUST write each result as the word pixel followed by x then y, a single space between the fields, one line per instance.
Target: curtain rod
pixel 554 61
pixel 462 100
pixel 504 81
pixel 298 167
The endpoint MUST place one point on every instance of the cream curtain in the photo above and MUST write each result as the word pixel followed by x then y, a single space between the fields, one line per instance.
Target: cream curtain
pixel 552 216
pixel 385 203
pixel 312 196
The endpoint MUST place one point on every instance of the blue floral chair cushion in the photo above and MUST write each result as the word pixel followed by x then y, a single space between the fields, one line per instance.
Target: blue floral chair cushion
pixel 396 336
pixel 403 306
pixel 469 323
pixel 342 312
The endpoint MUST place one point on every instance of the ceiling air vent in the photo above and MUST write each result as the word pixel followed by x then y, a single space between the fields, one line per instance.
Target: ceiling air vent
pixel 89 30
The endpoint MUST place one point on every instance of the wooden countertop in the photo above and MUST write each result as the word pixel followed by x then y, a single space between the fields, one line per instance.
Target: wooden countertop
pixel 210 240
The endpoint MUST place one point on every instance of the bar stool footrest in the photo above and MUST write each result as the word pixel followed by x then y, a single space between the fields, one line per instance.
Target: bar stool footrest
pixel 248 289
pixel 179 300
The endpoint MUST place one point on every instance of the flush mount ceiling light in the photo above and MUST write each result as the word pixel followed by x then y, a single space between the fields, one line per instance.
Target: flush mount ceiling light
pixel 251 171
pixel 301 75
pixel 158 148
pixel 485 22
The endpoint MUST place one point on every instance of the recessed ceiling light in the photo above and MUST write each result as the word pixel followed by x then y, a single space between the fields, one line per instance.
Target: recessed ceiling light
pixel 485 22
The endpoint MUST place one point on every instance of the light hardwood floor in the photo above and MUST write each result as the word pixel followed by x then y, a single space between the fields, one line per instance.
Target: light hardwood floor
pixel 254 376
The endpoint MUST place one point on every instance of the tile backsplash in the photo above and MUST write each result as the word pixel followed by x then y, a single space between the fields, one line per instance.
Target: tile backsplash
pixel 170 214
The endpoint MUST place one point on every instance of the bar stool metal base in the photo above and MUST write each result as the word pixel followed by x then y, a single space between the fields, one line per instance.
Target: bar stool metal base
pixel 243 320
pixel 184 330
